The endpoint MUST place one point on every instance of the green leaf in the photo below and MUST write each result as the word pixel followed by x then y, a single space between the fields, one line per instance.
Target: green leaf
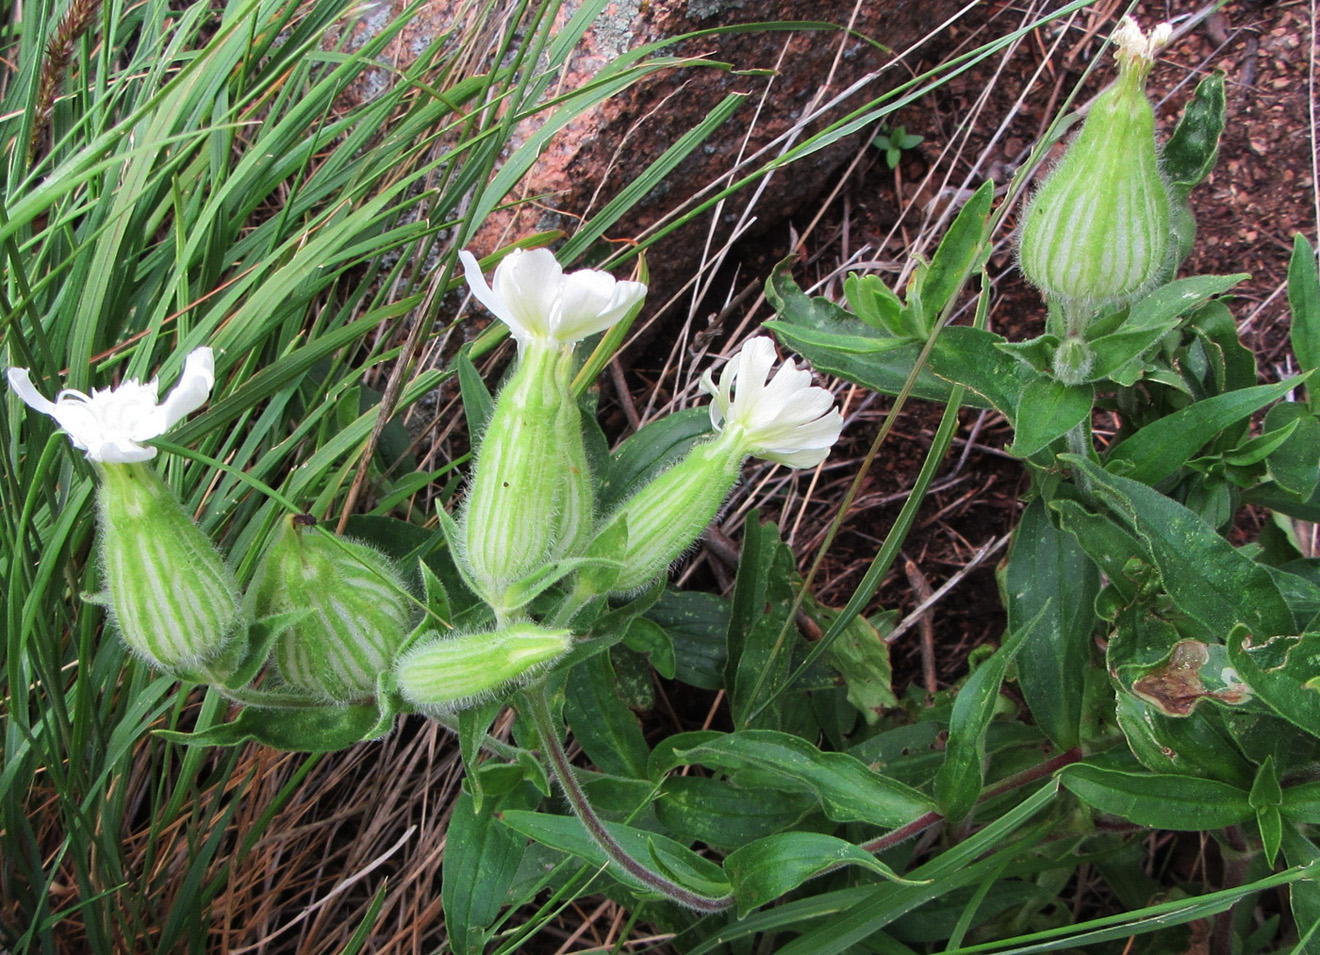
pixel 1282 671
pixel 959 252
pixel 648 452
pixel 1169 301
pixel 762 636
pixel 1206 576
pixel 775 865
pixel 606 730
pixel 1189 155
pixel 480 860
pixel 959 781
pixel 1196 746
pixel 473 724
pixel 1048 571
pixel 861 656
pixel 1265 789
pixel 698 625
pixel 1163 446
pixel 1304 894
pixel 872 301
pixel 309 729
pixel 1304 303
pixel 971 357
pixel 1046 411
pixel 719 813
pixel 847 789
pixel 836 343
pixel 1292 463
pixel 1110 547
pixel 567 834
pixel 649 638
pixel 1301 803
pixel 1160 801
pixel 477 399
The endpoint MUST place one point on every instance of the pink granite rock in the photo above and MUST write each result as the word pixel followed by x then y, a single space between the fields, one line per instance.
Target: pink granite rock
pixel 589 161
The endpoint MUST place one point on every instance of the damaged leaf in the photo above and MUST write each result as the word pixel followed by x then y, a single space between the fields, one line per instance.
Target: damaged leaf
pixel 1193 672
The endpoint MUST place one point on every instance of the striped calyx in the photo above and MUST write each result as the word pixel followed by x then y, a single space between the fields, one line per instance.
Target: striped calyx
pixel 530 499
pixel 170 595
pixel 447 674
pixel 1097 232
pixel 666 516
pixel 356 611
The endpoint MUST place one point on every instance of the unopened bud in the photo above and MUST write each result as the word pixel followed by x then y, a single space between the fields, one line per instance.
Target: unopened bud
pixel 1096 234
pixel 666 516
pixel 1073 360
pixel 171 597
pixel 446 674
pixel 355 608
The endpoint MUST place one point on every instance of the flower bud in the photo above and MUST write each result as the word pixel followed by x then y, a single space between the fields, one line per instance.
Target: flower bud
pixel 170 595
pixel 666 516
pixel 1096 234
pixel 1073 360
pixel 445 674
pixel 530 496
pixel 356 606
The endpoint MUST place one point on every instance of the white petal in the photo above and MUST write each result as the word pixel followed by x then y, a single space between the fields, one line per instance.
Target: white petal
pixel 785 419
pixel 194 387
pixel 21 381
pixel 588 304
pixel 485 295
pixel 118 451
pixel 530 285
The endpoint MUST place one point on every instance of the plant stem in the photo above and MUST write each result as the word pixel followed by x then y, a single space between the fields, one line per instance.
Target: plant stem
pixel 539 710
pixel 890 839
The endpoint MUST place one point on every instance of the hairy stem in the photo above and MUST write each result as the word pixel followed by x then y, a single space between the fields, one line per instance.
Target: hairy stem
pixel 539 710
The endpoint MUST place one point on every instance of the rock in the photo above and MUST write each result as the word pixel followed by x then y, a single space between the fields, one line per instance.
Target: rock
pixel 602 151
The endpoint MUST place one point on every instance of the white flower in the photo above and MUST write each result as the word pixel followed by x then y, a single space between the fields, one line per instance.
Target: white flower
pixel 785 419
pixel 109 423
pixel 538 302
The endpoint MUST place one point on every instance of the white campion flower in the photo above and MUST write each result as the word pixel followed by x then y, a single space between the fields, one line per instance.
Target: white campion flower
pixel 539 303
pixel 109 423
pixel 785 419
pixel 168 590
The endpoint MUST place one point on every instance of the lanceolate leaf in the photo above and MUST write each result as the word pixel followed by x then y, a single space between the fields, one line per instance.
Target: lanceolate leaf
pixel 1162 446
pixel 1304 303
pixel 956 256
pixel 847 789
pixel 1206 576
pixel 1184 803
pixel 1049 571
pixel 958 783
pixel 770 867
pixel 311 729
pixel 718 813
pixel 567 834
pixel 481 858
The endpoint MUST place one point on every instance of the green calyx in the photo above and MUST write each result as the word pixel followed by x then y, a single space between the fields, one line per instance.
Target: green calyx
pixel 353 611
pixel 665 517
pixel 530 500
pixel 445 674
pixel 1097 233
pixel 168 591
